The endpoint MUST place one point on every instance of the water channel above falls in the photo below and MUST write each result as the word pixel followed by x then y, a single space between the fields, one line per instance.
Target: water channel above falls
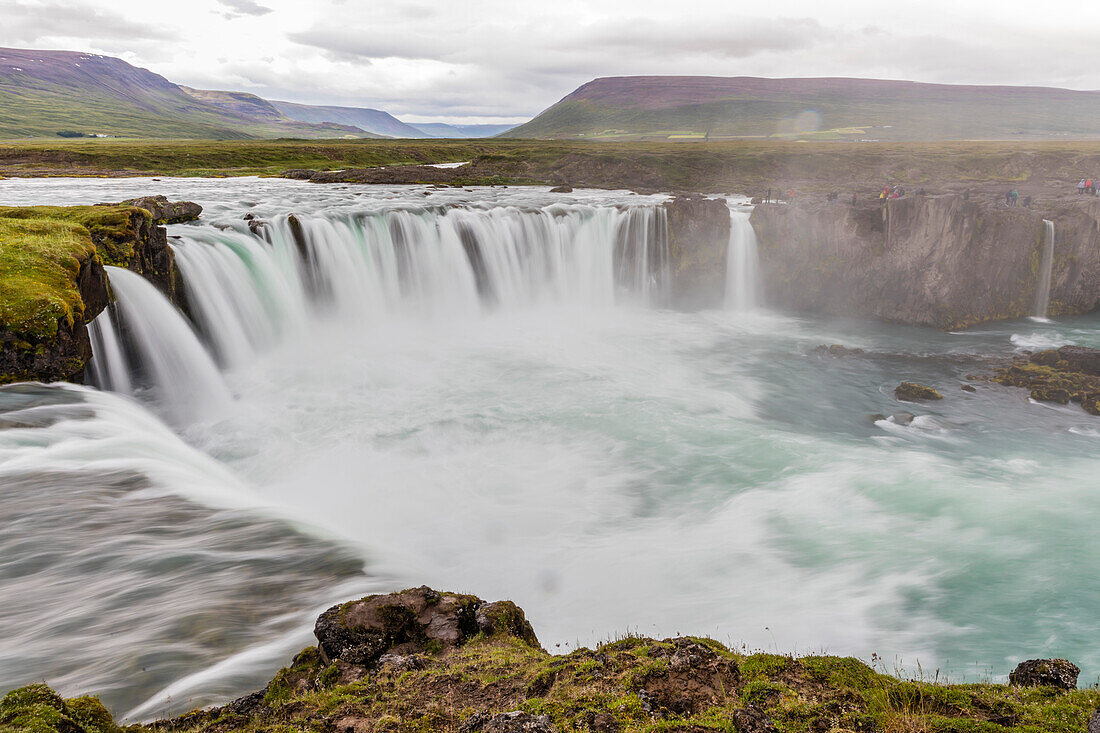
pixel 568 443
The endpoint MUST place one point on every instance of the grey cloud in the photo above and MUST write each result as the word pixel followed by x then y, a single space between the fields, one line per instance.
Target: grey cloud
pixel 238 8
pixel 728 38
pixel 353 44
pixel 27 22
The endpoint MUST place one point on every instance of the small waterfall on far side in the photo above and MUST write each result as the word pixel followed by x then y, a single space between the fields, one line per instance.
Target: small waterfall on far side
pixel 144 341
pixel 742 264
pixel 1042 290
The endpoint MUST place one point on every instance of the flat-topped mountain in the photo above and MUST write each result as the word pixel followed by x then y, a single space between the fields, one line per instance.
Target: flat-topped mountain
pixel 685 107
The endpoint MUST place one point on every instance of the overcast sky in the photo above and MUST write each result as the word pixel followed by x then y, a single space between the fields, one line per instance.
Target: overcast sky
pixel 506 60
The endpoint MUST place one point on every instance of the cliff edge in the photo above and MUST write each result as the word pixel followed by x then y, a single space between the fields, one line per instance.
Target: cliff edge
pixel 939 261
pixel 52 262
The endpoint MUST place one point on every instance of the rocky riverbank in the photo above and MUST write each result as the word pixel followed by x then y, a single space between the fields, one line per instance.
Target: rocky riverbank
pixel 946 261
pixel 51 266
pixel 422 660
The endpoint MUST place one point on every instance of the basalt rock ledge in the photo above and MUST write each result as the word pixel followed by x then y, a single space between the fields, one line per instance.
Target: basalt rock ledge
pixel 940 261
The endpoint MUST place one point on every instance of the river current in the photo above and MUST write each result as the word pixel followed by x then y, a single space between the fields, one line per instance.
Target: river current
pixel 570 443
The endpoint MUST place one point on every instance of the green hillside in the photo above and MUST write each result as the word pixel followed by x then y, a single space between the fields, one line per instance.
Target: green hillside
pixel 43 93
pixel 657 107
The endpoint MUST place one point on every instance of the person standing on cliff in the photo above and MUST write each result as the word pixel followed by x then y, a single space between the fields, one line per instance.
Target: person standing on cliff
pixel 1081 187
pixel 768 197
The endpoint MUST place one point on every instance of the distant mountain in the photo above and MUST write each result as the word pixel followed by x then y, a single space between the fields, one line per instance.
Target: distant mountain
pixel 687 107
pixel 43 93
pixel 439 129
pixel 371 120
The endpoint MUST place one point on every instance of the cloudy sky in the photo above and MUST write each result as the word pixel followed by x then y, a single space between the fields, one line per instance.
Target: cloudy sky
pixel 505 60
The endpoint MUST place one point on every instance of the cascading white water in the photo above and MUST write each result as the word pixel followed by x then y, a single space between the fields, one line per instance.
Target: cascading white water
pixel 164 352
pixel 244 289
pixel 742 264
pixel 1042 290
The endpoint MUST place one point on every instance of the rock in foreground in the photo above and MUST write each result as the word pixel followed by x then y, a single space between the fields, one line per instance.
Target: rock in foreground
pixel 423 660
pixel 1045 673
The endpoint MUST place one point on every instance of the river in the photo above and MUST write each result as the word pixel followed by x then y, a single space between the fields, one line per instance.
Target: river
pixel 541 428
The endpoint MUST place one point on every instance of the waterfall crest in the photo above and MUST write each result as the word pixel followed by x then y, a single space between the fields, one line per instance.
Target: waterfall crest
pixel 246 291
pixel 742 264
pixel 1046 265
pixel 142 342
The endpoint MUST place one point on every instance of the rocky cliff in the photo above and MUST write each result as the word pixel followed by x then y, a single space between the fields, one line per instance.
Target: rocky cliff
pixel 937 261
pixel 698 239
pixel 52 267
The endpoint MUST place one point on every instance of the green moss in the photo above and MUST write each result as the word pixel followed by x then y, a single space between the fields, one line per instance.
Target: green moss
pixel 39 268
pixel 842 672
pixel 763 666
pixel 90 713
pixel 113 229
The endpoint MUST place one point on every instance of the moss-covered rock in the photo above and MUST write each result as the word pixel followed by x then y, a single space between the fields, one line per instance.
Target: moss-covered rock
pixel 51 267
pixel 497 680
pixel 1068 374
pixel 912 392
pixel 38 709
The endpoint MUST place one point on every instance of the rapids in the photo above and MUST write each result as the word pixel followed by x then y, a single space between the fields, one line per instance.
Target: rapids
pixel 370 410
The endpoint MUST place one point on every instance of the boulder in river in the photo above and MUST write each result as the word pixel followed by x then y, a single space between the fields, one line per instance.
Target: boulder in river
pixel 561 189
pixel 1067 374
pixel 1058 673
pixel 912 392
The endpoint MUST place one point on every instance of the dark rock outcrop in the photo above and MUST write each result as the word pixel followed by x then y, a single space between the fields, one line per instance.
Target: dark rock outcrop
pixel 940 261
pixel 698 240
pixel 910 392
pixel 165 211
pixel 418 620
pixel 1045 673
pixel 561 189
pixel 1068 374
pixel 695 677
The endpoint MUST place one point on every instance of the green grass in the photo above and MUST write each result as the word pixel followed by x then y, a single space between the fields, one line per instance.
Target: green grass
pixel 722 166
pixel 39 264
pixel 624 685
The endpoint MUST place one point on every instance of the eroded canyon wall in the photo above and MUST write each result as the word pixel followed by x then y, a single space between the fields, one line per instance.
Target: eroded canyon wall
pixel 937 261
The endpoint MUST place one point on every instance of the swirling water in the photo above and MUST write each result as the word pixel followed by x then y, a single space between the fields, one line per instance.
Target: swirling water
pixel 551 434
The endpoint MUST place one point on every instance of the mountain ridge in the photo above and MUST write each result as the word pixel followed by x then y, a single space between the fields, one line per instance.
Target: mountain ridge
pixel 76 94
pixel 671 107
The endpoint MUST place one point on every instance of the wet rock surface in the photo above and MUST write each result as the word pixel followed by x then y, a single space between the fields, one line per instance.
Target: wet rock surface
pixel 944 261
pixel 698 242
pixel 912 392
pixel 1064 375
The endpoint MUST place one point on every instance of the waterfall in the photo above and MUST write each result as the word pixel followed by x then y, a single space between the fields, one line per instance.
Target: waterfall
pixel 143 342
pixel 247 291
pixel 1042 290
pixel 742 264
